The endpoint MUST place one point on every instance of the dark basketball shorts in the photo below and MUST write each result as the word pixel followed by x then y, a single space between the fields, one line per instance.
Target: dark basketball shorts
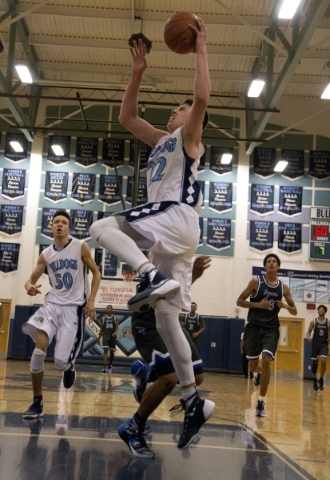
pixel 259 340
pixel 320 351
pixel 109 343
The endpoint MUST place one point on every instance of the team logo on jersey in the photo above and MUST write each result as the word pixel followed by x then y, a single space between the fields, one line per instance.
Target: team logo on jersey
pixel 39 319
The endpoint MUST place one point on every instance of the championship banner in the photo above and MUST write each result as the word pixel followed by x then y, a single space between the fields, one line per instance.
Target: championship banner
pixel 86 151
pixel 218 233
pixel 290 201
pixel 10 153
pixel 56 186
pixel 319 164
pixel 64 142
pixel 113 151
pixel 216 166
pixel 9 256
pixel 295 167
pixel 81 220
pixel 83 187
pixel 261 235
pixel 13 183
pixel 264 162
pixel 201 224
pixel 46 222
pixel 221 197
pixel 145 151
pixel 201 166
pixel 262 199
pixel 141 193
pixel 289 237
pixel 109 265
pixel 110 189
pixel 11 219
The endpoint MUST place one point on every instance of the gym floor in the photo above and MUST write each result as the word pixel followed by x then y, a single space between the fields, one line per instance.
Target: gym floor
pixel 77 437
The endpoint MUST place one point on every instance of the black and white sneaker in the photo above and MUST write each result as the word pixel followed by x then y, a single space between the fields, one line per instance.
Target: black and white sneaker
pixel 155 286
pixel 69 377
pixel 140 373
pixel 315 384
pixel 198 412
pixel 256 380
pixel 260 410
pixel 321 384
pixel 34 411
pixel 134 438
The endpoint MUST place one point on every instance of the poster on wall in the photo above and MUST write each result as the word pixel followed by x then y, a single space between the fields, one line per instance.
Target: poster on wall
pixel 264 162
pixel 46 221
pixel 86 151
pixel 109 265
pixel 83 187
pixel 221 197
pixel 64 142
pixel 141 193
pixel 218 233
pixel 290 201
pixel 261 235
pixel 113 150
pixel 145 151
pixel 319 164
pixel 9 257
pixel 262 199
pixel 13 183
pixel 289 237
pixel 11 219
pixel 10 153
pixel 216 166
pixel 81 220
pixel 56 186
pixel 110 189
pixel 295 167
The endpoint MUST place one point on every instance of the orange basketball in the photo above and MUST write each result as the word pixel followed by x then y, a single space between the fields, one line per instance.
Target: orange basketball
pixel 178 36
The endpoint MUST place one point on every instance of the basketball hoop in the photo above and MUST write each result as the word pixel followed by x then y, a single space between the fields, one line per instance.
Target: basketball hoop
pixel 128 276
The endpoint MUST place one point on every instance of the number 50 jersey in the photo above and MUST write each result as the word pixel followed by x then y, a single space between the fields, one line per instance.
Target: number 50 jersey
pixel 67 274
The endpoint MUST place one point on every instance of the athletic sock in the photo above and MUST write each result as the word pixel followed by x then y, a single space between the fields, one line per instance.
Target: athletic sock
pixel 138 421
pixel 37 399
pixel 188 395
pixel 145 268
pixel 261 398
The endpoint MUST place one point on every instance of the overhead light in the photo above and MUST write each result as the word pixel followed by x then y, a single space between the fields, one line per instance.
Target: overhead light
pixel 280 166
pixel 226 158
pixel 326 94
pixel 255 88
pixel 24 73
pixel 16 146
pixel 58 150
pixel 288 9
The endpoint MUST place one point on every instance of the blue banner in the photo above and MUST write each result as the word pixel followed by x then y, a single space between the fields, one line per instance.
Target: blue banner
pixel 264 162
pixel 110 188
pixel 83 187
pixel 261 235
pixel 295 167
pixel 319 164
pixel 215 162
pixel 11 219
pixel 262 199
pixel 289 237
pixel 46 221
pixel 64 142
pixel 290 201
pixel 218 233
pixel 13 183
pixel 221 197
pixel 145 151
pixel 9 256
pixel 10 152
pixel 113 152
pixel 142 194
pixel 56 186
pixel 86 151
pixel 81 220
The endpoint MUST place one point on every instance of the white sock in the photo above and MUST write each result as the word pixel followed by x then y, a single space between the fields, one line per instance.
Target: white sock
pixel 261 398
pixel 145 268
pixel 188 393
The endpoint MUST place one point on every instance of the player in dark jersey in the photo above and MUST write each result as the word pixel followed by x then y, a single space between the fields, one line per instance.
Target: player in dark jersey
pixel 109 329
pixel 194 324
pixel 320 341
pixel 261 332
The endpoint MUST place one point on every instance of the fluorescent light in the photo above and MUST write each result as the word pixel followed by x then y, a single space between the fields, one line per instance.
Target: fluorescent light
pixel 288 8
pixel 280 166
pixel 326 94
pixel 226 158
pixel 58 150
pixel 255 88
pixel 16 146
pixel 24 73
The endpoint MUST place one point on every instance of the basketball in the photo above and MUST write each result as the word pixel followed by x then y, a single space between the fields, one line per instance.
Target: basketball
pixel 178 36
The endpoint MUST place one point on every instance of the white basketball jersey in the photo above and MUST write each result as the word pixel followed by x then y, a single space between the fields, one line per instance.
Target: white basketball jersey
pixel 172 174
pixel 67 274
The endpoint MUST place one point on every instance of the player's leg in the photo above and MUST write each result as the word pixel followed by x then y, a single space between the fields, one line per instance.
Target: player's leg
pixel 112 353
pixel 105 355
pixel 315 364
pixel 269 340
pixel 323 365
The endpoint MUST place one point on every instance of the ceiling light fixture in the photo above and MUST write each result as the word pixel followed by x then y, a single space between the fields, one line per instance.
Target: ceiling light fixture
pixel 256 88
pixel 288 9
pixel 226 158
pixel 280 166
pixel 16 146
pixel 24 73
pixel 58 150
pixel 326 94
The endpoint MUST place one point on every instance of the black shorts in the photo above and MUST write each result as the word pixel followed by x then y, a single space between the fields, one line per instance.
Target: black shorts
pixel 320 351
pixel 152 348
pixel 109 342
pixel 259 340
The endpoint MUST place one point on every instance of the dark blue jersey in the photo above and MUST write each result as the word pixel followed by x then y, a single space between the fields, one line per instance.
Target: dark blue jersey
pixel 266 317
pixel 321 333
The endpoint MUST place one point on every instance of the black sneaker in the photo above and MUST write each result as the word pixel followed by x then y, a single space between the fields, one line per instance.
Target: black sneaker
pixel 198 412
pixel 321 384
pixel 134 438
pixel 315 384
pixel 260 410
pixel 156 286
pixel 69 377
pixel 256 380
pixel 105 369
pixel 34 411
pixel 140 373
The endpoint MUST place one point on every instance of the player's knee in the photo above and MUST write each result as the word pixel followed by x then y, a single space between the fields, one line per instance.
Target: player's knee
pixel 60 365
pixel 37 361
pixel 199 379
pixel 314 366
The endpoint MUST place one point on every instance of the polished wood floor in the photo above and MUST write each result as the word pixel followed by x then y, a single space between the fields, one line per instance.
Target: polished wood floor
pixel 77 438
